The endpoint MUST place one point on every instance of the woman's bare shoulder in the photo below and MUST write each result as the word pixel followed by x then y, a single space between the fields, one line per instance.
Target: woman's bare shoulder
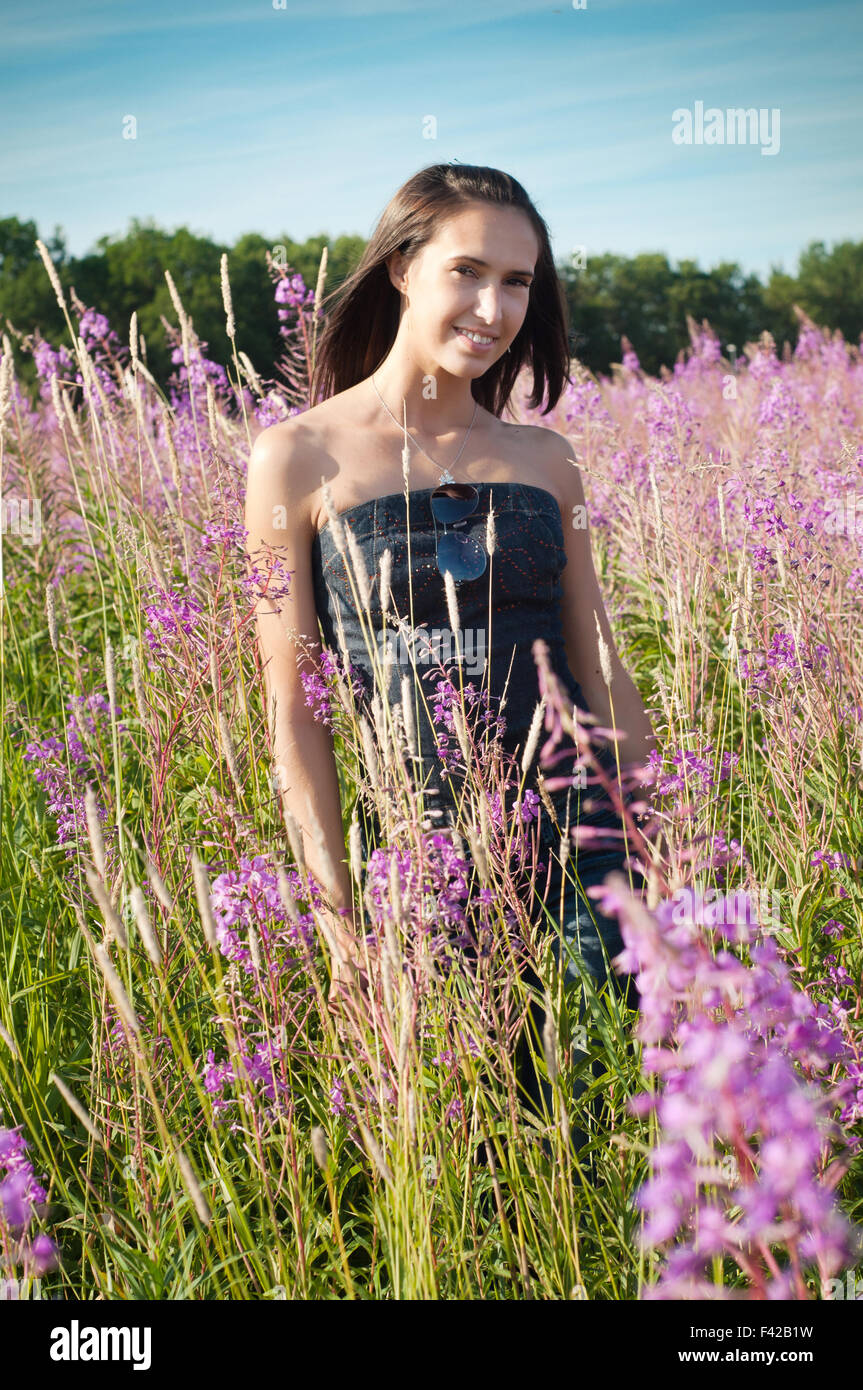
pixel 308 428
pixel 533 436
pixel 542 454
pixel 297 451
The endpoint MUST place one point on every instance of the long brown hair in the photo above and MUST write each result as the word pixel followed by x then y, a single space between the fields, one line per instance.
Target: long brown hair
pixel 361 328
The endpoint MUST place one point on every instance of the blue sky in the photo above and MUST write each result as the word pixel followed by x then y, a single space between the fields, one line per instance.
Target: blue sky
pixel 306 119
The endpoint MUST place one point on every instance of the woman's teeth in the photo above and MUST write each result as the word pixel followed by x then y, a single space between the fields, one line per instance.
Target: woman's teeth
pixel 477 338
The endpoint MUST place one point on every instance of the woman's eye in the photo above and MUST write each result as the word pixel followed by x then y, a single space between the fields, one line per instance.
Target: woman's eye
pixel 513 280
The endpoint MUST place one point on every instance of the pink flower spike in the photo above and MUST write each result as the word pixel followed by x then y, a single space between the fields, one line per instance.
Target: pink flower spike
pixel 599 731
pixel 611 897
pixel 585 834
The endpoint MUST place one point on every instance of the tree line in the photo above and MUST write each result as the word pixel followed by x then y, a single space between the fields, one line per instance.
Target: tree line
pixel 643 297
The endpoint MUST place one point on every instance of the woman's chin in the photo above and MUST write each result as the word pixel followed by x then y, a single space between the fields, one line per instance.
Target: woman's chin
pixel 465 367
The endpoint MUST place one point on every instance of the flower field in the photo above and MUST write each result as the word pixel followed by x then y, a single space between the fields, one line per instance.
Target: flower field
pixel 182 1113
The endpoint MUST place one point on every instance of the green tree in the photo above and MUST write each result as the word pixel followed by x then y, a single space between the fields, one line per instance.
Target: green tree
pixel 26 296
pixel 830 286
pixel 731 302
pixel 615 296
pixel 641 297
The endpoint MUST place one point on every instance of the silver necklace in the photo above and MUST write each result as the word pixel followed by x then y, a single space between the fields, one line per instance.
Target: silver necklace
pixel 446 476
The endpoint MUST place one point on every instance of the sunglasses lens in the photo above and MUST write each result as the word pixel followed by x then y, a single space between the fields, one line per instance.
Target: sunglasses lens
pixel 463 556
pixel 454 502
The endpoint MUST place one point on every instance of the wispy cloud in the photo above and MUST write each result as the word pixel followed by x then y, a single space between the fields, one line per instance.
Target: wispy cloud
pixel 312 115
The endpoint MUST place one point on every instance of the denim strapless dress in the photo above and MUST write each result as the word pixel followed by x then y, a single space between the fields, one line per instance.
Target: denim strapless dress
pixel 516 600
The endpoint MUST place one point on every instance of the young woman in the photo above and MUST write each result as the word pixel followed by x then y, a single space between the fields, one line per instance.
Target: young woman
pixel 456 292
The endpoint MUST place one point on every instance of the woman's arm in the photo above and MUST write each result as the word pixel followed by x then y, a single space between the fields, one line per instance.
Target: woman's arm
pixel 277 515
pixel 582 598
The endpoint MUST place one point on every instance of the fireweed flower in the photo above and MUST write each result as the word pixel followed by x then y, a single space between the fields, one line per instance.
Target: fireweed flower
pixel 296 314
pixel 49 364
pixel 833 928
pixel 20 1197
pixel 195 377
pixel 528 807
pixel 630 358
pixel 241 900
pixel 838 996
pixel 784 658
pixel 368 1091
pixel 435 905
pixel 337 1097
pixel 267 578
pixel 174 630
pixel 249 896
pixel 259 1068
pixel 291 290
pixel 694 777
pixel 715 852
pixel 221 542
pixel 272 409
pixel 94 329
pixel 115 1048
pixel 317 697
pixel 453 1111
pixel 273 402
pixel 88 737
pixel 106 352
pixel 378 879
pixel 318 685
pixel 837 860
pixel 445 695
pixel 445 1059
pixel 523 811
pixel 470 1043
pixel 741 1056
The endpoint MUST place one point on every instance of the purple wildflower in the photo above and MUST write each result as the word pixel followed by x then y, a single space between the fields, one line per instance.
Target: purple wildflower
pixel 738 1051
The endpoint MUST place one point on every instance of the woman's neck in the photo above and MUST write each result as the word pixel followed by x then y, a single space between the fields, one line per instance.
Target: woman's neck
pixel 405 393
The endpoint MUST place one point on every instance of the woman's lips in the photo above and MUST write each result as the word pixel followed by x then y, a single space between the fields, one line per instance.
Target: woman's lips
pixel 476 347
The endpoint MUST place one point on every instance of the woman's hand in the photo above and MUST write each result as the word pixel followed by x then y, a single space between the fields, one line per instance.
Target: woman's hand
pixel 349 981
pixel 350 977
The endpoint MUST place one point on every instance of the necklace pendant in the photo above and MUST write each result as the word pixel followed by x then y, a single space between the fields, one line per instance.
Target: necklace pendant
pixel 446 477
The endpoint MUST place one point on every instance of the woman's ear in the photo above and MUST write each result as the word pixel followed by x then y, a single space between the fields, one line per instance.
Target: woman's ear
pixel 395 264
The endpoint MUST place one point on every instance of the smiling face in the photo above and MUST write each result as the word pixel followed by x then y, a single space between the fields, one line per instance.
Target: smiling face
pixel 468 285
